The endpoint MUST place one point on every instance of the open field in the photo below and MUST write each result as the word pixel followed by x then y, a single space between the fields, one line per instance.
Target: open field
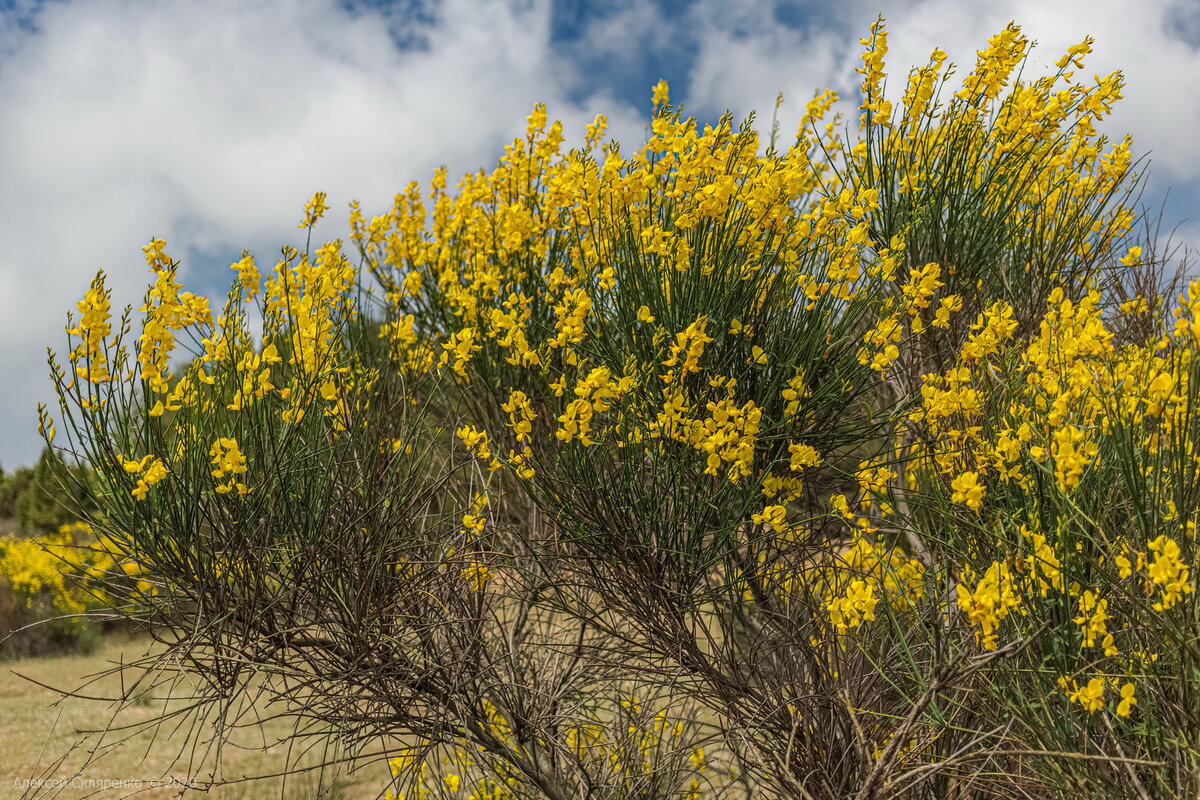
pixel 38 728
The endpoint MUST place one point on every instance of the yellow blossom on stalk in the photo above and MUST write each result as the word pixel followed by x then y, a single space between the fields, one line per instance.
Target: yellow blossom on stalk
pixel 988 603
pixel 880 350
pixel 803 456
pixel 855 607
pixel 1092 620
pixel 1071 453
pixel 922 284
pixel 473 524
pixel 994 66
pixel 576 422
pixel 1168 572
pixel 874 479
pixel 690 345
pixel 773 516
pixel 477 444
pixel 1044 568
pixel 228 463
pixel 993 327
pixel 150 470
pixel 156 256
pixel 875 107
pixel 167 309
pixel 1132 257
pixel 248 275
pixel 786 488
pixel 519 462
pixel 520 414
pixel 1125 567
pixel 90 356
pixel 797 391
pixel 728 435
pixel 946 307
pixel 477 574
pixel 919 94
pixel 1075 54
pixel 595 131
pixel 1091 696
pixel 968 489
pixel 662 94
pixel 842 506
pixel 313 210
pixel 1128 701
pixel 462 346
pixel 570 318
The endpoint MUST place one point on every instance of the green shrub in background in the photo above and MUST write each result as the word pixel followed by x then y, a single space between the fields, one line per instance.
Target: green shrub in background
pixel 42 498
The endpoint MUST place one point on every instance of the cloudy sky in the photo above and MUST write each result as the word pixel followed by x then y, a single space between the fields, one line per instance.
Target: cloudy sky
pixel 210 122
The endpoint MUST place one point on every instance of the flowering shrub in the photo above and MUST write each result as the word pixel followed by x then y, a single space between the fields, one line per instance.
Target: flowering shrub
pixel 860 445
pixel 50 582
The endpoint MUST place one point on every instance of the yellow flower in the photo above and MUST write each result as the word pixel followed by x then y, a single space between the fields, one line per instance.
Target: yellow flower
pixel 1091 697
pixel 477 574
pixel 150 469
pixel 228 463
pixel 989 602
pixel 1128 701
pixel 1093 618
pixel 1168 572
pixel 968 489
pixel 857 606
pixel 774 516
pixel 1075 54
pixel 661 94
pixel 93 327
pixel 803 456
pixel 476 441
pixel 313 210
pixel 248 275
pixel 841 506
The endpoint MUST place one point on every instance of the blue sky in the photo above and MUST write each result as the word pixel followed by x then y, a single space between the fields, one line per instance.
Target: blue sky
pixel 210 122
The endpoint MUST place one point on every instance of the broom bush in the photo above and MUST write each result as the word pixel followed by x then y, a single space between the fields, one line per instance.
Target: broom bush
pixel 860 467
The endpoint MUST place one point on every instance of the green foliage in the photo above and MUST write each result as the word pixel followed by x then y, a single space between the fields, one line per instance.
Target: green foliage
pixel 46 496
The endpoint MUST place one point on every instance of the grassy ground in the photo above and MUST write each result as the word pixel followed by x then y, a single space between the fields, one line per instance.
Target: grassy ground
pixel 40 732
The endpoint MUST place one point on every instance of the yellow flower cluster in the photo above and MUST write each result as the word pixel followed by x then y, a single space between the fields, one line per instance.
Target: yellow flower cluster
pixel 988 602
pixel 228 464
pixel 90 356
pixel 60 575
pixel 150 470
pixel 168 310
pixel 1091 695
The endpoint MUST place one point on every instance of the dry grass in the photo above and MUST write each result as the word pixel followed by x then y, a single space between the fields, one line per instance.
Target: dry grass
pixel 40 733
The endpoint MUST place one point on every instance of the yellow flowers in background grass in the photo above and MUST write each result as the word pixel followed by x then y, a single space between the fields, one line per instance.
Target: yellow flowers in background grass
pixel 57 578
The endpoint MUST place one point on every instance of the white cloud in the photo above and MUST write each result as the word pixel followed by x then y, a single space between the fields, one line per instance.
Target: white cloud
pixel 746 59
pixel 210 123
